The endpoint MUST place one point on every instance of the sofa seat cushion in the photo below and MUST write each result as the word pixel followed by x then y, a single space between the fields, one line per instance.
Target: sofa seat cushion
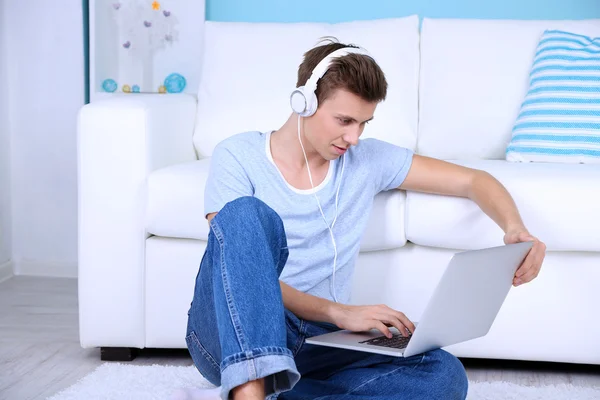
pixel 175 203
pixel 559 203
pixel 175 208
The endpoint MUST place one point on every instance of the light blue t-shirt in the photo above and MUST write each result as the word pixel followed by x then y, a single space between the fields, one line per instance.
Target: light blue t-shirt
pixel 242 165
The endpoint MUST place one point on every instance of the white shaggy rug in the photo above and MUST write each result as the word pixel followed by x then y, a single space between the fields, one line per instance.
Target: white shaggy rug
pixel 133 382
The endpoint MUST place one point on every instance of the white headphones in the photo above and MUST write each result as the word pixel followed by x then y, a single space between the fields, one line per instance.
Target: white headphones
pixel 303 99
pixel 304 103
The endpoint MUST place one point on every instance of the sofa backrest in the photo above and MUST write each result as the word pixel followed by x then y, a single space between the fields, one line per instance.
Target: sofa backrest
pixel 473 78
pixel 250 69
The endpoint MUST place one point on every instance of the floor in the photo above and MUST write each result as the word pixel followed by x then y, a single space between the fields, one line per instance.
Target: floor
pixel 40 352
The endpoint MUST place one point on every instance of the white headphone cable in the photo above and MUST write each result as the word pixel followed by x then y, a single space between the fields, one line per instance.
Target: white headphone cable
pixel 332 286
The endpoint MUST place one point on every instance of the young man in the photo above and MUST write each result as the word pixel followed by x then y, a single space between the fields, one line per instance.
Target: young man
pixel 286 209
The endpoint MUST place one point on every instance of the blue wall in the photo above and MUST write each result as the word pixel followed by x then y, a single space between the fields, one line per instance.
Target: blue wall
pixel 347 10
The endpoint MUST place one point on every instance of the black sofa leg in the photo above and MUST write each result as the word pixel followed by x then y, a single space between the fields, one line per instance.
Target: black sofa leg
pixel 118 353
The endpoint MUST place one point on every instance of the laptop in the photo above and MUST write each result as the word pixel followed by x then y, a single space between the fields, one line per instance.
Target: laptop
pixel 463 306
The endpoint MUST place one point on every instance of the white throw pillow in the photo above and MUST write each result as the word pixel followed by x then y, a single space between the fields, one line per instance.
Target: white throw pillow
pixel 250 69
pixel 559 119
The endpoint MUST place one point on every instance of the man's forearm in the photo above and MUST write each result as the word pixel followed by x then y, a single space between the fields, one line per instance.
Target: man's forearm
pixel 494 200
pixel 306 306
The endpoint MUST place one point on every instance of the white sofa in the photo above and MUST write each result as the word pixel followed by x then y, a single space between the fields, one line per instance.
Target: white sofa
pixel 455 88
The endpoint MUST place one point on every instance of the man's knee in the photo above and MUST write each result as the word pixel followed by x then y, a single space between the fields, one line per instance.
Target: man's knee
pixel 250 223
pixel 451 382
pixel 246 202
pixel 248 210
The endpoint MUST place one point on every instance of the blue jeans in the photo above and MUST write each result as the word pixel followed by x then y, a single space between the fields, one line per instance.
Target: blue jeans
pixel 238 329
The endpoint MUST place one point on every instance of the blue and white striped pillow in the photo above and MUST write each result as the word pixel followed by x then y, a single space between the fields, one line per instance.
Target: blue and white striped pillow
pixel 560 116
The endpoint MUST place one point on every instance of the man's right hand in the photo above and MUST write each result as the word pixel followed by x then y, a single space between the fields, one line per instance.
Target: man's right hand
pixel 365 318
pixel 210 216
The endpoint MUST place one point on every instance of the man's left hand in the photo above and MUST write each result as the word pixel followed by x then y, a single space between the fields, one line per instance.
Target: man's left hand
pixel 530 268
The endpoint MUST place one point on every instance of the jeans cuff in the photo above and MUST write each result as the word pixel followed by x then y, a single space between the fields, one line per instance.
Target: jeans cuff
pixel 275 364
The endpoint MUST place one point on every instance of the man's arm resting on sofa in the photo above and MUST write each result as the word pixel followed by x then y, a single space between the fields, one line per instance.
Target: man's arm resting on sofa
pixel 434 176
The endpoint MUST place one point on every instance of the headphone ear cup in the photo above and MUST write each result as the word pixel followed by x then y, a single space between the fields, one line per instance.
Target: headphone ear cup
pixel 303 103
pixel 298 101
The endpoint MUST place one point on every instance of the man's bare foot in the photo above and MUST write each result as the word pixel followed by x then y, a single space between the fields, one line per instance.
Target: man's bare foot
pixel 253 390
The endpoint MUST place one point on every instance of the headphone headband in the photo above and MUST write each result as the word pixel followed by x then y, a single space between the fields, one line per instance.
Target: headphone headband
pixel 325 63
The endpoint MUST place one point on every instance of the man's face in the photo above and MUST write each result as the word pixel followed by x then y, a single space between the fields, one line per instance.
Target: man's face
pixel 338 123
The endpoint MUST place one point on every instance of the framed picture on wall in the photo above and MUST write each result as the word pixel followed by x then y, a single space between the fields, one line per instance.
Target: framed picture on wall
pixel 144 46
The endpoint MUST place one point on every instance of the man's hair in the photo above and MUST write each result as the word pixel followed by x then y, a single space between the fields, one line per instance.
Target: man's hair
pixel 356 73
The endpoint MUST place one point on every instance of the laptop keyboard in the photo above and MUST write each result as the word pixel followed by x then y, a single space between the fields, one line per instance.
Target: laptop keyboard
pixel 397 341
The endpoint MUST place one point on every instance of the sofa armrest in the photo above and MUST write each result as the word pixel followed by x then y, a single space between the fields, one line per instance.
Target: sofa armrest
pixel 120 141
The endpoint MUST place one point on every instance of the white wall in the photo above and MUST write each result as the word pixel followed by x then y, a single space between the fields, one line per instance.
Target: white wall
pixel 46 90
pixel 5 190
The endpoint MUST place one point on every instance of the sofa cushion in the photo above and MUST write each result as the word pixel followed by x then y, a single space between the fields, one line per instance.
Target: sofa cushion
pixel 250 70
pixel 474 76
pixel 560 117
pixel 175 208
pixel 175 201
pixel 559 204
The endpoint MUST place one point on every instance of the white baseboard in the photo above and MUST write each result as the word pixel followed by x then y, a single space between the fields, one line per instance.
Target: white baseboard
pixel 43 268
pixel 6 271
